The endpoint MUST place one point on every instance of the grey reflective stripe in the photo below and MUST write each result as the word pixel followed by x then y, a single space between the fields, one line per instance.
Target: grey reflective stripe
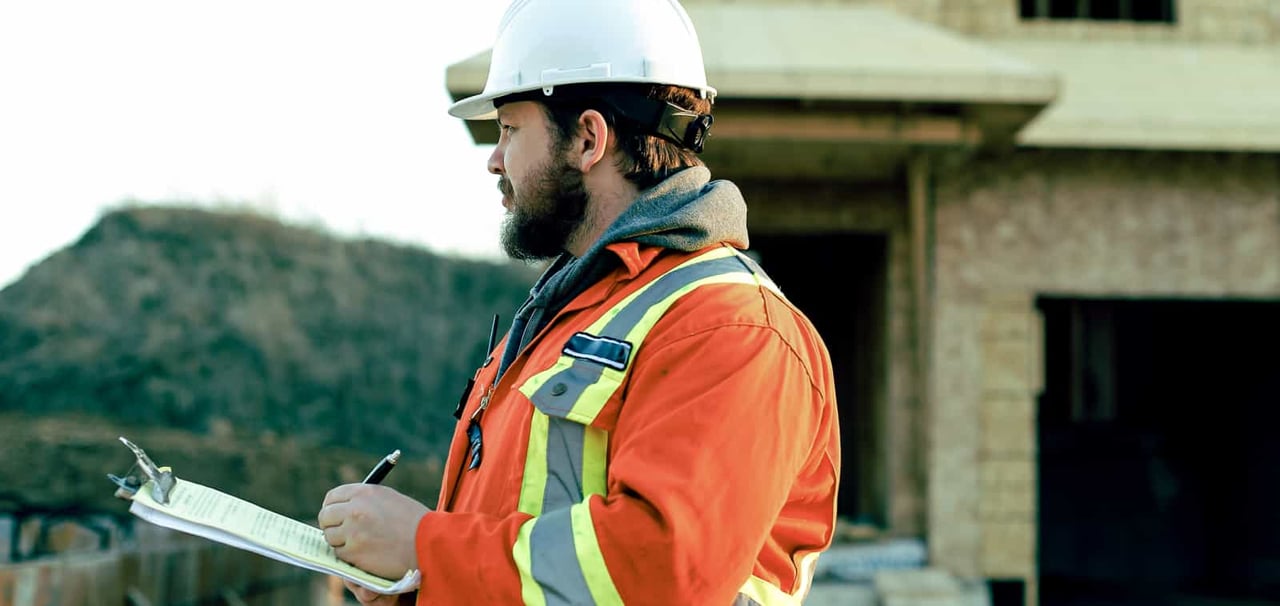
pixel 571 382
pixel 555 568
pixel 743 599
pixel 663 287
pixel 564 464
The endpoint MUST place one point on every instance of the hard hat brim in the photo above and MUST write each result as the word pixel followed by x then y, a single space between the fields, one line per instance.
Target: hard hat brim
pixel 481 107
pixel 476 107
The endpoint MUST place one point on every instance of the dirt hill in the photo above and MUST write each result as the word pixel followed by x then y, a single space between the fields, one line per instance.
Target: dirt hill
pixel 235 329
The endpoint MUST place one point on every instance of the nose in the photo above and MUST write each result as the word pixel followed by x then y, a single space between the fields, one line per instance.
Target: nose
pixel 496 165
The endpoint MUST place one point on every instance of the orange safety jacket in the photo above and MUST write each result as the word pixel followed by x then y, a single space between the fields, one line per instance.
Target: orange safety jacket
pixel 670 437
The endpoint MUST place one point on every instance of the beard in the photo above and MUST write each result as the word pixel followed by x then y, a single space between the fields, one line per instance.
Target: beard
pixel 541 221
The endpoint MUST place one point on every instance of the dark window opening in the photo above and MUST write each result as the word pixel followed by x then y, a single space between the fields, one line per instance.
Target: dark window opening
pixel 1142 11
pixel 848 308
pixel 1158 477
pixel 1007 592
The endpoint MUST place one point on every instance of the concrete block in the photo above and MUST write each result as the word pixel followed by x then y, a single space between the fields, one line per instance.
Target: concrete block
pixel 1008 365
pixel 920 582
pixel 1009 323
pixel 1008 474
pixel 1017 504
pixel 955 600
pixel 1008 549
pixel 1008 425
pixel 1036 343
pixel 922 587
pixel 961 20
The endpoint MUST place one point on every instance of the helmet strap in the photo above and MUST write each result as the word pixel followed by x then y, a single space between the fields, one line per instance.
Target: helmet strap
pixel 665 120
pixel 662 119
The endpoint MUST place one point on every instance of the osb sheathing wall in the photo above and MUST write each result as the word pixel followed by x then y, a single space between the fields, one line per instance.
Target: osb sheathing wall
pixel 789 208
pixel 1073 223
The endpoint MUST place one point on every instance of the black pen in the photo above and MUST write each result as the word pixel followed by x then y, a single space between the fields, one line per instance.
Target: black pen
pixel 383 468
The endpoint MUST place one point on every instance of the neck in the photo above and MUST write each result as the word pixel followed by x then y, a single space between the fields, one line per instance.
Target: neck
pixel 610 196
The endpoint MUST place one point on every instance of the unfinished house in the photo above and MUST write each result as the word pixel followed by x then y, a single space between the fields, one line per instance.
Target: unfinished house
pixel 1042 241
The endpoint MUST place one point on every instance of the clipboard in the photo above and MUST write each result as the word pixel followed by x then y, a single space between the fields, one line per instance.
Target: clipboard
pixel 164 499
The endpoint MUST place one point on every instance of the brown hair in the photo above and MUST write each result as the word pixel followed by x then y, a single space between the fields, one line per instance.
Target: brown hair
pixel 645 159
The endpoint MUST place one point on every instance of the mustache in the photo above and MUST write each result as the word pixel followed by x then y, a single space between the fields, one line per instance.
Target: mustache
pixel 504 186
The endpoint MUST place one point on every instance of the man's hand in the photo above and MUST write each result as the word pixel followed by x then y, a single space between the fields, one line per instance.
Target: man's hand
pixel 371 598
pixel 372 527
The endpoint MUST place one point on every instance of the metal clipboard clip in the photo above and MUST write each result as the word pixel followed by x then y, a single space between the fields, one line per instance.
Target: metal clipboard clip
pixel 161 477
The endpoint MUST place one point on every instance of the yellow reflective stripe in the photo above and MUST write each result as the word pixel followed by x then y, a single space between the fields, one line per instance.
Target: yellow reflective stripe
pixel 533 383
pixel 808 564
pixel 530 591
pixel 534 483
pixel 595 454
pixel 590 559
pixel 769 284
pixel 593 397
pixel 719 253
pixel 655 311
pixel 596 395
pixel 765 593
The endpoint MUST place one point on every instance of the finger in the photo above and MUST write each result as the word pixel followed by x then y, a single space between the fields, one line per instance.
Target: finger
pixel 341 552
pixel 339 494
pixel 333 514
pixel 364 595
pixel 335 537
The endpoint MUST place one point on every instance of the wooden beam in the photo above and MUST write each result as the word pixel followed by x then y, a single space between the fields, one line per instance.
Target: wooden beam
pixel 851 127
pixel 766 123
pixel 920 212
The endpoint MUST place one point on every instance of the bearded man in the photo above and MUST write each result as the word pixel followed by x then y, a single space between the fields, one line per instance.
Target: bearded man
pixel 658 426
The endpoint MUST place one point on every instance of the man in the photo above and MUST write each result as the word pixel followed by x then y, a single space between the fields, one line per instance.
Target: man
pixel 659 424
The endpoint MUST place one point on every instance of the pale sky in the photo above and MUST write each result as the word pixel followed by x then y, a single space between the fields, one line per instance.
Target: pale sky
pixel 320 112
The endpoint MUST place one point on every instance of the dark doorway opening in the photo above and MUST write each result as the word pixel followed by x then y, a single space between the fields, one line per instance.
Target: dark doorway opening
pixel 839 282
pixel 1159 463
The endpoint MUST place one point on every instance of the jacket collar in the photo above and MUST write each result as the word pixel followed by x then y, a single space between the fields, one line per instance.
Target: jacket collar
pixel 633 256
pixel 633 259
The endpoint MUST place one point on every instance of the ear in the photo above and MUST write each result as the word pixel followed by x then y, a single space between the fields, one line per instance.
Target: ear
pixel 593 139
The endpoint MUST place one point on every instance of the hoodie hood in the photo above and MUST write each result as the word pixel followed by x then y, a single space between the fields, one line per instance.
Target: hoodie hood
pixel 686 212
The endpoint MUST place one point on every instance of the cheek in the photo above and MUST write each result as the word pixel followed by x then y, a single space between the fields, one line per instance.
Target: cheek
pixel 517 166
pixel 512 162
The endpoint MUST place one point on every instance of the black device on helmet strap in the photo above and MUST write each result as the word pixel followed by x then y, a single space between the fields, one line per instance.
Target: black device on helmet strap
pixel 667 120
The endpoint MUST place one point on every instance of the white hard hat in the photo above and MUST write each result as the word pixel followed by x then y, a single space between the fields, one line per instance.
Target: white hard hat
pixel 543 44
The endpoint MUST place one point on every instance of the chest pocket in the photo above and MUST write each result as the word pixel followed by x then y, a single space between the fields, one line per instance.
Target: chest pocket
pixel 568 438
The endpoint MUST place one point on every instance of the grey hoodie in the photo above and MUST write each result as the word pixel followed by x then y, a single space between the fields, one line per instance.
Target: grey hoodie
pixel 686 212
